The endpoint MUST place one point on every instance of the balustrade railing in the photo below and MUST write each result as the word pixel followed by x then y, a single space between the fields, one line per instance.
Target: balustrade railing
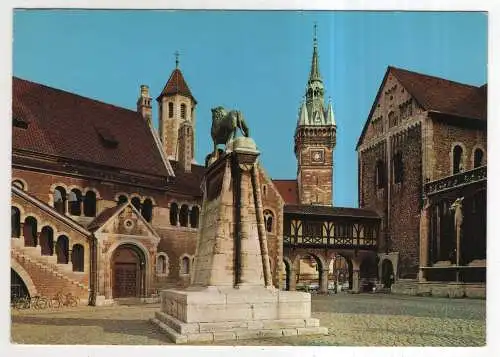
pixel 330 242
pixel 462 178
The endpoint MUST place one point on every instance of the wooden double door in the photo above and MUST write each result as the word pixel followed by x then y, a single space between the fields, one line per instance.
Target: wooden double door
pixel 128 272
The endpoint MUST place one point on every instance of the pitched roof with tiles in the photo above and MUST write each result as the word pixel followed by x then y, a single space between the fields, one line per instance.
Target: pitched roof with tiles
pixel 103 217
pixel 288 190
pixel 438 95
pixel 330 211
pixel 188 183
pixel 176 84
pixel 67 125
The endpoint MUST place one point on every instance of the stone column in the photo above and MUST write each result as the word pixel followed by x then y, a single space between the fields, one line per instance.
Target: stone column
pixel 355 280
pixel 356 262
pixel 424 239
pixel 81 208
pixel 66 202
pixel 459 219
pixel 323 283
pixel 21 230
pixel 268 280
pixel 292 286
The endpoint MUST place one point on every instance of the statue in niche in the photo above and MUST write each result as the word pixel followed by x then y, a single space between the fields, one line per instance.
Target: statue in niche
pixel 224 128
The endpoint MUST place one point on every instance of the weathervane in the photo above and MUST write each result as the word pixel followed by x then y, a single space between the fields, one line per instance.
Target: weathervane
pixel 176 59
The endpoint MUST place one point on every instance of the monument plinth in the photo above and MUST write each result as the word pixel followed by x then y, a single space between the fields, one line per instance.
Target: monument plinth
pixel 231 294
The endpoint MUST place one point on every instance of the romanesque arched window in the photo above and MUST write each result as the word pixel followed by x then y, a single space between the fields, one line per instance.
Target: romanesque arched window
pixel 478 158
pixel 89 204
pixel 170 110
pixel 47 240
pixel 75 198
pixel 174 213
pixel 185 265
pixel 62 249
pixel 30 229
pixel 194 217
pixel 268 220
pixel 162 264
pixel 19 184
pixel 379 174
pixel 60 199
pixel 136 202
pixel 457 159
pixel 184 216
pixel 15 222
pixel 183 111
pixel 77 257
pixel 122 199
pixel 147 209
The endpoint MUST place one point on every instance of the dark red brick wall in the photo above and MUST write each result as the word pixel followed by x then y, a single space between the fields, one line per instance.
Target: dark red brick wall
pixel 398 203
pixel 405 203
pixel 445 135
pixel 370 196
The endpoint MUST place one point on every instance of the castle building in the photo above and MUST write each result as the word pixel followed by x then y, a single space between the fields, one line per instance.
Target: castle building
pixel 103 206
pixel 422 168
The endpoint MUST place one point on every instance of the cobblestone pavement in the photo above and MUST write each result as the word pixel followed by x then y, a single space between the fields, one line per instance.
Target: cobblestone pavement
pixel 352 320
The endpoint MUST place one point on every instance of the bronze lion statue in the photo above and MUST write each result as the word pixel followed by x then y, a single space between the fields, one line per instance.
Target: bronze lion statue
pixel 224 127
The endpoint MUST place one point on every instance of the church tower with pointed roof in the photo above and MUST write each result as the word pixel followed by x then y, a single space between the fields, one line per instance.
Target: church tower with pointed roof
pixel 315 138
pixel 177 119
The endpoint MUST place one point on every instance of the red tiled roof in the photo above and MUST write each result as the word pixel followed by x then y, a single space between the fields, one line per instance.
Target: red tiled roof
pixel 176 85
pixel 288 190
pixel 330 211
pixel 438 95
pixel 442 95
pixel 70 126
pixel 188 183
pixel 103 217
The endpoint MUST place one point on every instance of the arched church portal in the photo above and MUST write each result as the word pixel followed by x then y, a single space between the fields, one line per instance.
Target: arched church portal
pixel 128 271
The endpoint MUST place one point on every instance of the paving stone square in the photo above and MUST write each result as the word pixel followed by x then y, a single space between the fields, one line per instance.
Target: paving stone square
pixel 352 320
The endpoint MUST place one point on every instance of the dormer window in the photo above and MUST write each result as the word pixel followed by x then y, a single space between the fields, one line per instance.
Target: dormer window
pixel 19 123
pixel 107 138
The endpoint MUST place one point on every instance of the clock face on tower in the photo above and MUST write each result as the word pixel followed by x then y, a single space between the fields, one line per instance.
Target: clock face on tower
pixel 317 156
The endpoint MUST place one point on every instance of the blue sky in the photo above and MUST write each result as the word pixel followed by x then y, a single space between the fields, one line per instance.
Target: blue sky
pixel 254 61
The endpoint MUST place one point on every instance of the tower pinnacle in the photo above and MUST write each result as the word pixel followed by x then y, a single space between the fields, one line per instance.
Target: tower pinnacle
pixel 176 59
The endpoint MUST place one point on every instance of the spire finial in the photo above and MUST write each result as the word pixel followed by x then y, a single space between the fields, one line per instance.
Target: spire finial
pixel 176 59
pixel 315 38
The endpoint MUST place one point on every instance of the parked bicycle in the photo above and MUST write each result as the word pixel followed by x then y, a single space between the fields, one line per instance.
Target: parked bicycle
pixel 26 302
pixel 64 300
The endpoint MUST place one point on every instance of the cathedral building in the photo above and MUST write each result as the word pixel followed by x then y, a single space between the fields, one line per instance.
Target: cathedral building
pixel 422 168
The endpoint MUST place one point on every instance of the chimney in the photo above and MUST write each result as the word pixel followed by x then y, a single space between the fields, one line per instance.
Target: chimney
pixel 144 104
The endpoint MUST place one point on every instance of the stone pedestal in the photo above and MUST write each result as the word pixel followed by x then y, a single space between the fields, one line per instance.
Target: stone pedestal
pixel 231 296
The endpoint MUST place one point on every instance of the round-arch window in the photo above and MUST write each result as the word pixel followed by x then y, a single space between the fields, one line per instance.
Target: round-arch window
pixel 18 184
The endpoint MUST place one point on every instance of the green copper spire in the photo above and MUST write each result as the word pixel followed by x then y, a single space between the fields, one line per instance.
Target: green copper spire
pixel 314 75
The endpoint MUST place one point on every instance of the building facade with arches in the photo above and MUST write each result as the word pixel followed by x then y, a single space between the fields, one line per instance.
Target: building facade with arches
pixel 103 205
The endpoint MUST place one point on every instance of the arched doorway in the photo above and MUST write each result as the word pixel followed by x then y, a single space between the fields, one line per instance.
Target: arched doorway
pixel 339 271
pixel 128 271
pixel 17 286
pixel 309 272
pixel 387 273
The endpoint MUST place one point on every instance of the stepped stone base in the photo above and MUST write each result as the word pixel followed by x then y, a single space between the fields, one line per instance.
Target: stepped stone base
pixel 216 314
